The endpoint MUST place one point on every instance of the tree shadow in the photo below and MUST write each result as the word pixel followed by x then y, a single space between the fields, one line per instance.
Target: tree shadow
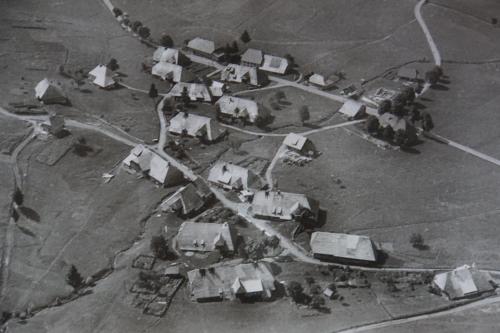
pixel 85 91
pixel 275 268
pixel 30 213
pixel 26 231
pixel 444 81
pixel 419 105
pixel 440 87
pixel 312 126
pixel 426 99
pixel 421 247
pixel 410 150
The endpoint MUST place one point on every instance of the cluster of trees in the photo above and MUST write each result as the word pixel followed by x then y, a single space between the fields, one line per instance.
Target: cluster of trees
pixel 159 247
pixel 74 278
pixel 314 300
pixel 432 76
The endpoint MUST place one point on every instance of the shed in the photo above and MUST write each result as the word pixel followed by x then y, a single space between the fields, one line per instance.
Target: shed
pixel 102 77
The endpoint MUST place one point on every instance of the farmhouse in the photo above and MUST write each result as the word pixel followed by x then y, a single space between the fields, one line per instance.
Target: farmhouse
pixel 236 107
pixel 189 199
pixel 243 74
pixel 102 77
pixel 172 72
pixel 353 109
pixel 464 281
pixel 344 248
pixel 196 91
pixel 243 281
pixel 252 58
pixel 299 144
pixel 217 88
pixel 274 64
pixel 201 47
pixel 205 237
pixel 230 176
pixel 193 125
pixel 284 206
pixel 408 74
pixel 170 55
pixel 320 81
pixel 142 159
pixel 49 92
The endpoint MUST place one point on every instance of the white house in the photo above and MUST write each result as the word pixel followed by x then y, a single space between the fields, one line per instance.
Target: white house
pixel 275 64
pixel 102 77
pixel 195 126
pixel 205 237
pixel 284 206
pixel 172 72
pixel 201 46
pixel 299 144
pixel 50 92
pixel 230 176
pixel 243 74
pixel 464 281
pixel 353 109
pixel 171 55
pixel 237 107
pixel 196 91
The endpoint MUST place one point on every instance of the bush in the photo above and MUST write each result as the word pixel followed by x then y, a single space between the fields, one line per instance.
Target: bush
pixel 245 37
pixel 166 41
pixel 159 247
pixel 113 64
pixel 74 278
pixel 136 25
pixel 144 32
pixel 417 241
pixel 317 302
pixel 304 114
pixel 372 124
pixel 117 12
pixel 296 291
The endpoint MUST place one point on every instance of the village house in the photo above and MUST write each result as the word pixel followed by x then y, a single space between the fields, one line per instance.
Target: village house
pixel 49 92
pixel 408 74
pixel 217 88
pixel 172 72
pixel 253 281
pixel 102 77
pixel 240 108
pixel 231 177
pixel 353 109
pixel 464 282
pixel 345 248
pixel 299 144
pixel 188 200
pixel 170 55
pixel 144 160
pixel 196 91
pixel 320 81
pixel 205 237
pixel 275 64
pixel 285 206
pixel 201 47
pixel 252 58
pixel 196 126
pixel 244 74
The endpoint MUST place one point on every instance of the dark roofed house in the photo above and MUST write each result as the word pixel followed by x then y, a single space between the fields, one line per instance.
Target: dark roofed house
pixel 284 206
pixel 188 200
pixel 231 177
pixel 464 282
pixel 205 237
pixel 50 92
pixel 242 281
pixel 193 125
pixel 350 249
pixel 409 74
pixel 252 58
pixel 299 144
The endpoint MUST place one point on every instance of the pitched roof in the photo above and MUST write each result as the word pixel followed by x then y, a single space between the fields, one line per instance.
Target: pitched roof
pixel 170 55
pixel 408 73
pixel 167 70
pixel 217 88
pixel 238 107
pixel 204 237
pixel 195 126
pixel 343 246
pixel 463 281
pixel 187 200
pixel 48 91
pixel 141 156
pixel 196 91
pixel 320 80
pixel 227 281
pixel 242 74
pixel 274 64
pixel 351 108
pixel 252 56
pixel 295 141
pixel 203 45
pixel 282 205
pixel 230 175
pixel 102 76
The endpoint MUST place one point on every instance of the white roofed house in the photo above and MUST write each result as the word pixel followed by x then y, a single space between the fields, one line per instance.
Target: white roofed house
pixel 231 177
pixel 49 92
pixel 188 200
pixel 464 282
pixel 284 206
pixel 344 248
pixel 172 72
pixel 243 281
pixel 196 91
pixel 252 58
pixel 193 125
pixel 170 55
pixel 217 88
pixel 202 47
pixel 353 109
pixel 299 144
pixel 275 64
pixel 237 107
pixel 102 77
pixel 244 74
pixel 320 81
pixel 205 237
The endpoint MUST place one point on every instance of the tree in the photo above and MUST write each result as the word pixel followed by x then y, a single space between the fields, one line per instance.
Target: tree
pixel 304 114
pixel 409 94
pixel 113 64
pixel 317 302
pixel 144 32
pixel 427 123
pixel 245 37
pixel 159 247
pixel 126 22
pixel 431 77
pixel 153 92
pixel 296 291
pixel 372 124
pixel 166 41
pixel 494 20
pixel 400 138
pixel 415 115
pixel 185 96
pixel 234 47
pixel 417 241
pixel 74 278
pixel 388 133
pixel 398 107
pixel 117 12
pixel 384 106
pixel 136 25
pixel 18 196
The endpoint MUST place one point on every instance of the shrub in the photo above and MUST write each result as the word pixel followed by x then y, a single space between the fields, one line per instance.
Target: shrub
pixel 159 247
pixel 117 12
pixel 74 278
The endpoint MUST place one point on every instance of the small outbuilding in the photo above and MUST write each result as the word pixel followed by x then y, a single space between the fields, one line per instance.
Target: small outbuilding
pixel 320 81
pixel 408 74
pixel 344 248
pixel 50 92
